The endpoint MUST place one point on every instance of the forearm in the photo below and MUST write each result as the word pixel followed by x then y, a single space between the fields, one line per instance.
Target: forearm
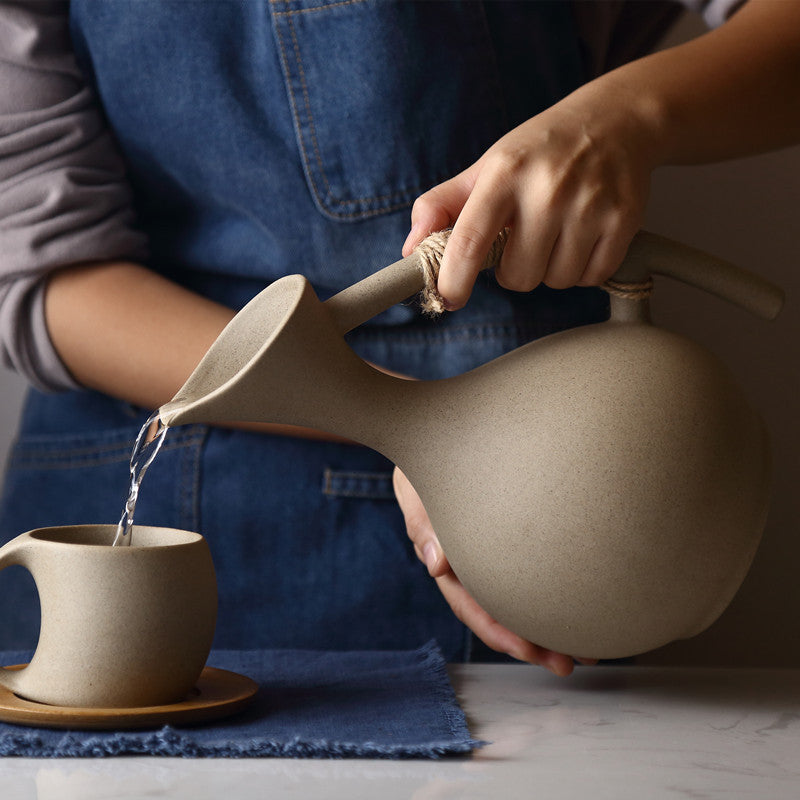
pixel 126 331
pixel 732 92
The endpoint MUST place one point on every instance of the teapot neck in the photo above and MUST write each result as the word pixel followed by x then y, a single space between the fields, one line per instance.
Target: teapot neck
pixel 629 297
pixel 359 403
pixel 628 309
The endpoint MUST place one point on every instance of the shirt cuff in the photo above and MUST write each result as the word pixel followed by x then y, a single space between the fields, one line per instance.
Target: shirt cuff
pixel 25 342
pixel 714 12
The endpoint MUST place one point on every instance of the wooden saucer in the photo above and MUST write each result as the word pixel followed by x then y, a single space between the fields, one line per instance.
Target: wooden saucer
pixel 218 693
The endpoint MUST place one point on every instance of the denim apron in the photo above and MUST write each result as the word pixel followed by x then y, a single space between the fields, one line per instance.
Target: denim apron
pixel 266 138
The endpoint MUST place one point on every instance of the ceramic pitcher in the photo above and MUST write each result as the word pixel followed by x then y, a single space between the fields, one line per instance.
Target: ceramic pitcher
pixel 600 491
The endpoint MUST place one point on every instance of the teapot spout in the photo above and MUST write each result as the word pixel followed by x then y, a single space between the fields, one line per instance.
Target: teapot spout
pixel 283 359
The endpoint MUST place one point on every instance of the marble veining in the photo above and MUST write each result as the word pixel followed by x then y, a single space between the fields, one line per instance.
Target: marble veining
pixel 608 733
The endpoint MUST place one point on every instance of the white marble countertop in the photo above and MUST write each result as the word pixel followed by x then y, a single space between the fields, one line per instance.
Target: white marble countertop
pixel 613 733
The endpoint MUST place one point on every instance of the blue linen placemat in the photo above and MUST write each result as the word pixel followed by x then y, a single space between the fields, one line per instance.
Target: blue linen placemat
pixel 310 704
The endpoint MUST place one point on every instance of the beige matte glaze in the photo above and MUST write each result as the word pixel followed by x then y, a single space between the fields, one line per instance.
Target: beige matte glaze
pixel 122 627
pixel 601 491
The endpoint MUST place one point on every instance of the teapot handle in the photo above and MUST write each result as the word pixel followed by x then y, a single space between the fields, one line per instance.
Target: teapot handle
pixel 647 254
pixel 651 254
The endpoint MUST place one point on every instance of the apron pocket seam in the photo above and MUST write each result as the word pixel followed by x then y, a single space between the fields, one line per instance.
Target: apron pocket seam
pixel 354 484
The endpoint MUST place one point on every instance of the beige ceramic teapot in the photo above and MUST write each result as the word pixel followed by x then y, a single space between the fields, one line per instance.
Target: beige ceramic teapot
pixel 600 491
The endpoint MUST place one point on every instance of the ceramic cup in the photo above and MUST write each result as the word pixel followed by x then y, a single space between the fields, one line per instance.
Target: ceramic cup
pixel 122 627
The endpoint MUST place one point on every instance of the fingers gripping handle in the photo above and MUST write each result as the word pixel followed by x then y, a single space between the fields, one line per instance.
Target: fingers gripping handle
pixel 399 281
pixel 15 552
pixel 648 254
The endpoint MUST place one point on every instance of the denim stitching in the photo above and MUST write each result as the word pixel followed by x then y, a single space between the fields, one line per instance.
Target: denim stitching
pixel 51 443
pixel 328 199
pixel 399 193
pixel 372 212
pixel 53 464
pixel 189 496
pixel 314 8
pixel 23 458
pixel 311 123
pixel 335 480
pixel 88 452
pixel 404 196
pixel 54 452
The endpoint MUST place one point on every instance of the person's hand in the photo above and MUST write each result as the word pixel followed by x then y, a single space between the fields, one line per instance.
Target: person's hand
pixel 491 632
pixel 571 184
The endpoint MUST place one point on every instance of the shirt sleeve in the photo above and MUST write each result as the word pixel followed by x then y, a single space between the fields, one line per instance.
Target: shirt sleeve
pixel 614 32
pixel 714 12
pixel 64 198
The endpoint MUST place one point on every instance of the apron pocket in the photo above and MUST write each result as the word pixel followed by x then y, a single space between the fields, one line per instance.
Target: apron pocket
pixel 388 98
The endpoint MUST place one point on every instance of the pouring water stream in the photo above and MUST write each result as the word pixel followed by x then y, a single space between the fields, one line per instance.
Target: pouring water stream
pixel 145 450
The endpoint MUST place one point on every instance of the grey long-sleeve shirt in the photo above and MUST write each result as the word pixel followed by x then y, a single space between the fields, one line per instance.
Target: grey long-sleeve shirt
pixel 63 194
pixel 64 198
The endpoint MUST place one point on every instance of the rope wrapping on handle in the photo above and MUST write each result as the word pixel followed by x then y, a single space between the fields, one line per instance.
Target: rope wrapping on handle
pixel 431 250
pixel 634 290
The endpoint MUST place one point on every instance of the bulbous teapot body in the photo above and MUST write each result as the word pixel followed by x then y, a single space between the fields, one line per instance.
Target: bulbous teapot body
pixel 600 492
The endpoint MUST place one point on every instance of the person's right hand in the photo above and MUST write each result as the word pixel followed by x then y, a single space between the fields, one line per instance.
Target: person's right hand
pixel 569 184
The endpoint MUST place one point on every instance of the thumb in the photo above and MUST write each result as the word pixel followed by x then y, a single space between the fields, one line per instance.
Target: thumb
pixel 419 528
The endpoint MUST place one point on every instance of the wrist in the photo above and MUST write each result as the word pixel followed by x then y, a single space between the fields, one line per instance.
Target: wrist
pixel 729 93
pixel 631 114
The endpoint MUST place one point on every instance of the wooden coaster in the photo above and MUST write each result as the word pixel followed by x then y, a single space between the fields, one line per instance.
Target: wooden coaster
pixel 218 693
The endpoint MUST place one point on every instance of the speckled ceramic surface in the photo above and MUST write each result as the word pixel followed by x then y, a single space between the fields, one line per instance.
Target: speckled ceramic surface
pixel 121 627
pixel 601 491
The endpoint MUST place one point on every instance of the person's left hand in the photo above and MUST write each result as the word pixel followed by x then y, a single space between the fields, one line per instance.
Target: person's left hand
pixel 491 632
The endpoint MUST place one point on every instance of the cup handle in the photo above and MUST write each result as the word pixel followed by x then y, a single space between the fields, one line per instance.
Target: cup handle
pixel 15 552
